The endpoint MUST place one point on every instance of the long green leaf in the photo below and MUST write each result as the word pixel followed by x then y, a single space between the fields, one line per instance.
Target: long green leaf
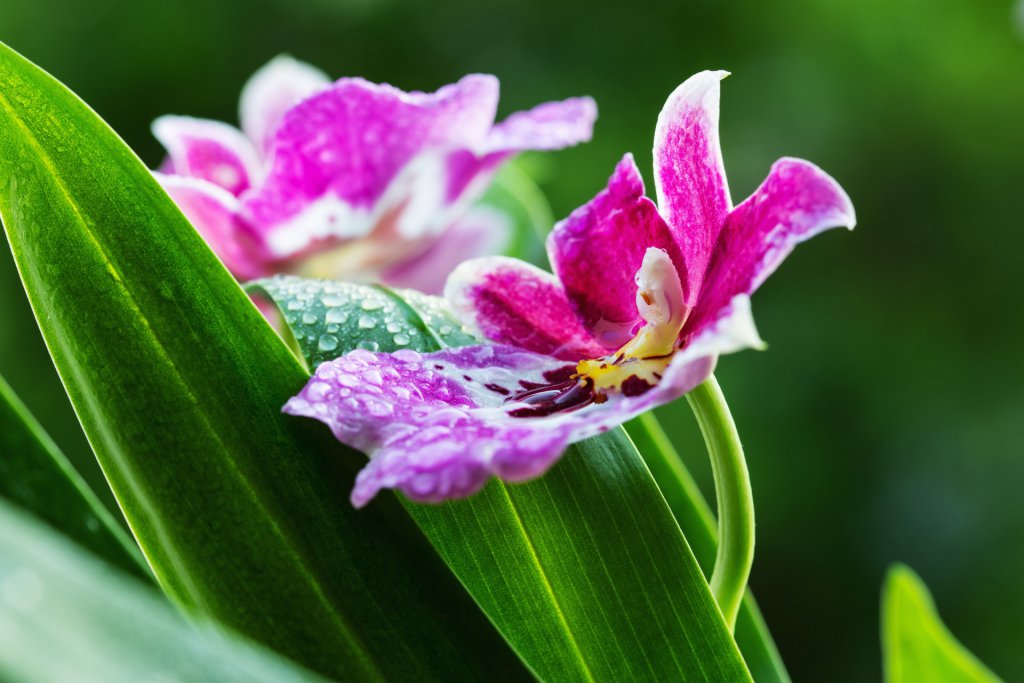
pixel 35 476
pixel 178 382
pixel 916 645
pixel 698 524
pixel 584 570
pixel 64 616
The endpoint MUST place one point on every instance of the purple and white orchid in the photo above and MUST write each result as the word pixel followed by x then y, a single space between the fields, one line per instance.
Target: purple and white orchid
pixel 644 299
pixel 353 179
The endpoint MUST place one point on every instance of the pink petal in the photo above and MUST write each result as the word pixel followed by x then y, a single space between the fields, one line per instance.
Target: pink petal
pixel 598 249
pixel 795 202
pixel 214 213
pixel 689 176
pixel 512 302
pixel 432 424
pixel 337 152
pixel 548 126
pixel 208 150
pixel 482 231
pixel 271 91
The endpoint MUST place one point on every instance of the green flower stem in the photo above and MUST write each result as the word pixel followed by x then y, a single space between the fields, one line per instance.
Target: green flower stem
pixel 735 501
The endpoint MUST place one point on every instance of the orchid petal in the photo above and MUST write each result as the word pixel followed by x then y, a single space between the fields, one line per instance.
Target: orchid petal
pixel 795 202
pixel 689 175
pixel 209 150
pixel 482 231
pixel 213 212
pixel 432 424
pixel 548 126
pixel 598 249
pixel 512 302
pixel 271 91
pixel 336 153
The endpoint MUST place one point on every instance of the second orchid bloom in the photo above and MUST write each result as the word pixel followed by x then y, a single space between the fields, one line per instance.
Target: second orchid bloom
pixel 644 298
pixel 351 179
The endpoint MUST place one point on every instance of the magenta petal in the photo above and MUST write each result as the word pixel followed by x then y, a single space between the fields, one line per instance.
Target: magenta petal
pixel 795 202
pixel 511 302
pixel 214 213
pixel 481 231
pixel 689 176
pixel 208 150
pixel 432 424
pixel 598 249
pixel 548 126
pixel 347 143
pixel 271 91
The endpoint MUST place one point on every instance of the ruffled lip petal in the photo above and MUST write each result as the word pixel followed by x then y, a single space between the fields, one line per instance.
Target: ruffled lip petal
pixel 511 302
pixel 433 424
pixel 271 91
pixel 689 175
pixel 209 150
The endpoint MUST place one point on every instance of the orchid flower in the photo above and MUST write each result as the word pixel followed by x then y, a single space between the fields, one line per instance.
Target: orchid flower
pixel 352 179
pixel 643 299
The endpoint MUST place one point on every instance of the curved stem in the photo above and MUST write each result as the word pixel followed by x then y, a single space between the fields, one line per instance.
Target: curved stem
pixel 735 501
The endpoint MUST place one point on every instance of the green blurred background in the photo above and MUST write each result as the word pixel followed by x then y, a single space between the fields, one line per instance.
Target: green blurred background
pixel 886 421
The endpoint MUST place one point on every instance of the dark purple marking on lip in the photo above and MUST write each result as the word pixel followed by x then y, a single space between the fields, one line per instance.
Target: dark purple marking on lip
pixel 498 389
pixel 562 397
pixel 634 386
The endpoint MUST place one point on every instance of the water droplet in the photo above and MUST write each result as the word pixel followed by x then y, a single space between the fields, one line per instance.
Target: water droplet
pixel 308 318
pixel 328 342
pixel 367 323
pixel 295 305
pixel 336 315
pixel 401 339
pixel 368 345
pixel 372 304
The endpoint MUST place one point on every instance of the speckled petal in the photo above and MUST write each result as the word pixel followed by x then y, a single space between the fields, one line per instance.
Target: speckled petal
pixel 482 231
pixel 214 213
pixel 208 150
pixel 433 425
pixel 271 91
pixel 795 202
pixel 692 191
pixel 598 249
pixel 512 302
pixel 336 153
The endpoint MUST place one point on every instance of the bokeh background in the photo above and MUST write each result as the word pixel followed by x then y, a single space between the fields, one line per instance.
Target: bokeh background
pixel 886 422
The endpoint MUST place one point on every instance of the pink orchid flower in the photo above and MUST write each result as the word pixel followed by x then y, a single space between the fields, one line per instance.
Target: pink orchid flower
pixel 352 179
pixel 644 299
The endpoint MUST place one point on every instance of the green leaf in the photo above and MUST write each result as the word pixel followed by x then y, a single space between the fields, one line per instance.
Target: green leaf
pixel 64 616
pixel 916 646
pixel 178 381
pixel 698 524
pixel 35 476
pixel 584 570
